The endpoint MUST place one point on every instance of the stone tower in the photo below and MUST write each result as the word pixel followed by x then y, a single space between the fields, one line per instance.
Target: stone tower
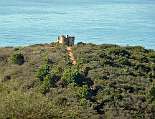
pixel 66 40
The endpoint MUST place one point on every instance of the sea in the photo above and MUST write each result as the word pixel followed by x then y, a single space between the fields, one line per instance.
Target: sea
pixel 122 22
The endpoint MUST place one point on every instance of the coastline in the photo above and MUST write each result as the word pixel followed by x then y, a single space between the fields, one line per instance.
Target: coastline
pixel 41 44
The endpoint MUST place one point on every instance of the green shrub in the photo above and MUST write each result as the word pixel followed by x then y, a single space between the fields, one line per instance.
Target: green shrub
pixel 142 68
pixel 83 102
pixel 47 78
pixel 123 61
pixel 152 92
pixel 119 52
pixel 17 58
pixel 46 84
pixel 43 71
pixel 57 70
pixel 144 60
pixel 80 43
pixel 83 91
pixel 72 75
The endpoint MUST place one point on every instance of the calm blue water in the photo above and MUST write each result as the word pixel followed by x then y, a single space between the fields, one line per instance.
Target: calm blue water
pixel 123 22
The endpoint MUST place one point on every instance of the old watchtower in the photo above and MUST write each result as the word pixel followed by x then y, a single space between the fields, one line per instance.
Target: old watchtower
pixel 66 40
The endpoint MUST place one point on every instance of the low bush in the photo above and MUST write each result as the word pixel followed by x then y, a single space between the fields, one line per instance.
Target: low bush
pixel 46 84
pixel 17 58
pixel 119 52
pixel 152 93
pixel 43 71
pixel 73 76
pixel 123 61
pixel 82 92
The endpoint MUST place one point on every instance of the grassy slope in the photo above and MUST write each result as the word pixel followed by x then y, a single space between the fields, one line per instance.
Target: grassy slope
pixel 122 79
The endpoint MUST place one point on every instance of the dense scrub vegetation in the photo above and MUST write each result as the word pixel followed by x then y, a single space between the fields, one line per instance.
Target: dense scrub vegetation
pixel 108 82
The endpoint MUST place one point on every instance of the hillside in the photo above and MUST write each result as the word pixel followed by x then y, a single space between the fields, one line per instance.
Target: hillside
pixel 108 82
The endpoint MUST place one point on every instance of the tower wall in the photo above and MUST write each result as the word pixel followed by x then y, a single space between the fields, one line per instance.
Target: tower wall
pixel 71 41
pixel 61 39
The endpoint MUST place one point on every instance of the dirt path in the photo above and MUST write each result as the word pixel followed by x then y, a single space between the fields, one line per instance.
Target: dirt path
pixel 70 54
